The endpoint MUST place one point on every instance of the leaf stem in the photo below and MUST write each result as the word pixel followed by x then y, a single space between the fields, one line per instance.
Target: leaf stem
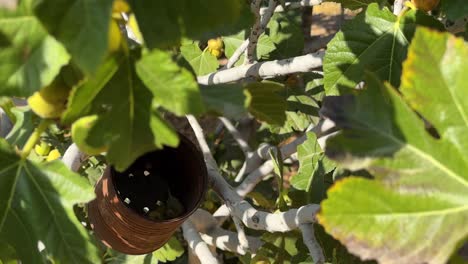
pixel 34 137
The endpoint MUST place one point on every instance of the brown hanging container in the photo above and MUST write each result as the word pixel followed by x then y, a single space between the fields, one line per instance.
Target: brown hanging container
pixel 117 215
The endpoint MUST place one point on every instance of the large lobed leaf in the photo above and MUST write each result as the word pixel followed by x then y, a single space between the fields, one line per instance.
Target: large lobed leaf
pixel 417 208
pixel 127 122
pixel 30 57
pixel 375 40
pixel 36 206
pixel 173 87
pixel 81 25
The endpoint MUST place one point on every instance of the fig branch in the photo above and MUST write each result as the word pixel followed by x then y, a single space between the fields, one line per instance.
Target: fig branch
pixel 196 244
pixel 258 27
pixel 255 32
pixel 251 217
pixel 265 70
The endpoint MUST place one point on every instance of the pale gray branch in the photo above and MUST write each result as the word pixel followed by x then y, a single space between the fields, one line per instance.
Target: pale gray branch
pixel 242 238
pixel 236 135
pixel 308 236
pixel 251 217
pixel 223 239
pixel 197 245
pixel 265 70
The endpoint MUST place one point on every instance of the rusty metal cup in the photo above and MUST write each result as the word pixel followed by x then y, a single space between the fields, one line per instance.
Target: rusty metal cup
pixel 129 231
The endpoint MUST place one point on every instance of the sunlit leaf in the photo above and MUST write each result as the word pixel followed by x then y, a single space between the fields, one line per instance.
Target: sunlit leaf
pixel 170 251
pixel 173 87
pixel 417 208
pixel 126 122
pixel 36 208
pixel 30 57
pixel 375 40
pixel 81 25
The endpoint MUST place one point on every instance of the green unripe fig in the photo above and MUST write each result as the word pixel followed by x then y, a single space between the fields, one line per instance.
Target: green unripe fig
pixel 42 149
pixel 79 132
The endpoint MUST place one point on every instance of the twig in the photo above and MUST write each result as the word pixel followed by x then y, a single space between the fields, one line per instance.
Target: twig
pixel 310 241
pixel 257 175
pixel 223 239
pixel 252 161
pixel 323 130
pixel 228 241
pixel 265 18
pixel 197 245
pixel 251 217
pixel 243 242
pixel 258 29
pixel 250 54
pixel 264 70
pixel 267 167
pixel 236 135
pixel 292 5
pixel 237 54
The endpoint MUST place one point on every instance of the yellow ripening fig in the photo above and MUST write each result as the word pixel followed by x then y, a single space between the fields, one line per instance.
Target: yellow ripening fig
pixel 215 44
pixel 114 37
pixel 53 155
pixel 46 108
pixel 79 132
pixel 425 5
pixel 120 6
pixel 216 53
pixel 50 101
